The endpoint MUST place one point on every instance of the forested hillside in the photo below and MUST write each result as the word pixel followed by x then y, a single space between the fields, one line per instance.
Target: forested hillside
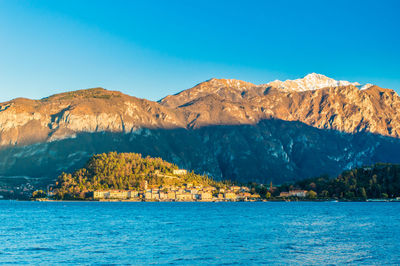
pixel 377 181
pixel 124 171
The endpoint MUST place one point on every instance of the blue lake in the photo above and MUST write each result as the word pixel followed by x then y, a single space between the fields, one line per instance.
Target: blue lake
pixel 199 233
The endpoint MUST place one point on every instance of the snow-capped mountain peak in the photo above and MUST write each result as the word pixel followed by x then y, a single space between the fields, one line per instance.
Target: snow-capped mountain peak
pixel 312 81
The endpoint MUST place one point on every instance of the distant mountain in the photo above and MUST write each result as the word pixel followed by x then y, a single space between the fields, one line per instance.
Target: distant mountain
pixel 227 128
pixel 313 81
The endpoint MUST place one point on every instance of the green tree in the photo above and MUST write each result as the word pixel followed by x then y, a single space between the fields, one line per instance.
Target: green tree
pixel 311 194
pixel 363 193
pixel 349 195
pixel 325 193
pixel 39 194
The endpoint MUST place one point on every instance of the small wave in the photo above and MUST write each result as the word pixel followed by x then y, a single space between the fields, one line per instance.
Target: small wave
pixel 16 229
pixel 99 252
pixel 39 249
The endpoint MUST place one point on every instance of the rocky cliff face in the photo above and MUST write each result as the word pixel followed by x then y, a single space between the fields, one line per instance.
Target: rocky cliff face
pixel 228 128
pixel 352 108
pixel 24 121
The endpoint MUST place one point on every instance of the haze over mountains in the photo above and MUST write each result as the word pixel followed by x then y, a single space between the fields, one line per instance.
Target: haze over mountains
pixel 279 131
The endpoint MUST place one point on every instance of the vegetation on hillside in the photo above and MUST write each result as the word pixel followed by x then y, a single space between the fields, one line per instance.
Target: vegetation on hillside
pixel 378 181
pixel 123 171
pixel 131 171
pixel 84 94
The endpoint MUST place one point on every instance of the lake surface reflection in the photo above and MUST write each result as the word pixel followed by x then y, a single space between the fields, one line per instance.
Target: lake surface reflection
pixel 199 233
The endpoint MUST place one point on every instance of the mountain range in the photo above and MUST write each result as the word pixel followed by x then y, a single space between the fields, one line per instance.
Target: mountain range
pixel 230 129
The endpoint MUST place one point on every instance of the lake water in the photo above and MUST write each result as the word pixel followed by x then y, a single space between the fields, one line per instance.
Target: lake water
pixel 199 233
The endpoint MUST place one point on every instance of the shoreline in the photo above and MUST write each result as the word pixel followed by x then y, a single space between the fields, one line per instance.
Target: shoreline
pixel 145 201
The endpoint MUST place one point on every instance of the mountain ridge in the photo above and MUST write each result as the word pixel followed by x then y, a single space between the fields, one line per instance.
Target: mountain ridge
pixel 199 114
pixel 216 101
pixel 312 81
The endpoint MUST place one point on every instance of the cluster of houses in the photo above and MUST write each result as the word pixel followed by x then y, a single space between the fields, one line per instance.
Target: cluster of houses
pixel 294 193
pixel 187 192
pixel 173 193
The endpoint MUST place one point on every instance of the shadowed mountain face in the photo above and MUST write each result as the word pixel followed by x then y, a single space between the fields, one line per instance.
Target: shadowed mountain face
pixel 228 128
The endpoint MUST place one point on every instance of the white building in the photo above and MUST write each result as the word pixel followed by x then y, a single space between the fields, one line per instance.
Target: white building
pixel 180 172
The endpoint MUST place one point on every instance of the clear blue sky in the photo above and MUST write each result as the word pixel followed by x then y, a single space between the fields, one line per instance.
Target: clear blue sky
pixel 150 49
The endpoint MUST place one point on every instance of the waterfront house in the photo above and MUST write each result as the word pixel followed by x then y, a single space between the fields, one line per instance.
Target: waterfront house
pixel 155 196
pixel 298 193
pixel 229 196
pixel 98 194
pixel 115 194
pixel 184 196
pixel 284 194
pixel 294 193
pixel 192 191
pixel 163 195
pixel 255 196
pixel 171 195
pixel 133 194
pixel 205 196
pixel 148 195
pixel 243 195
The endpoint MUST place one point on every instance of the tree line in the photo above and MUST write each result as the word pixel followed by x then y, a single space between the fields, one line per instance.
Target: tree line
pixel 381 180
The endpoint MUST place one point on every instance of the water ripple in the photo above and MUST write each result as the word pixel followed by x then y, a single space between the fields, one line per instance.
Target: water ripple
pixel 199 233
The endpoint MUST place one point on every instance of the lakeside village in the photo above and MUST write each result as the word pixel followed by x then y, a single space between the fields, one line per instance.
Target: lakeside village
pixel 188 192
pixel 199 193
pixel 131 177
pixel 185 192
pixel 191 193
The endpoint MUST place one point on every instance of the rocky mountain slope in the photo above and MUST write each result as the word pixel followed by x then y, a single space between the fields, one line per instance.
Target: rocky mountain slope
pixel 232 129
pixel 352 108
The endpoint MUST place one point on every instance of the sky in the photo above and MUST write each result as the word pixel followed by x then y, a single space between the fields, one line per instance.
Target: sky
pixel 150 49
